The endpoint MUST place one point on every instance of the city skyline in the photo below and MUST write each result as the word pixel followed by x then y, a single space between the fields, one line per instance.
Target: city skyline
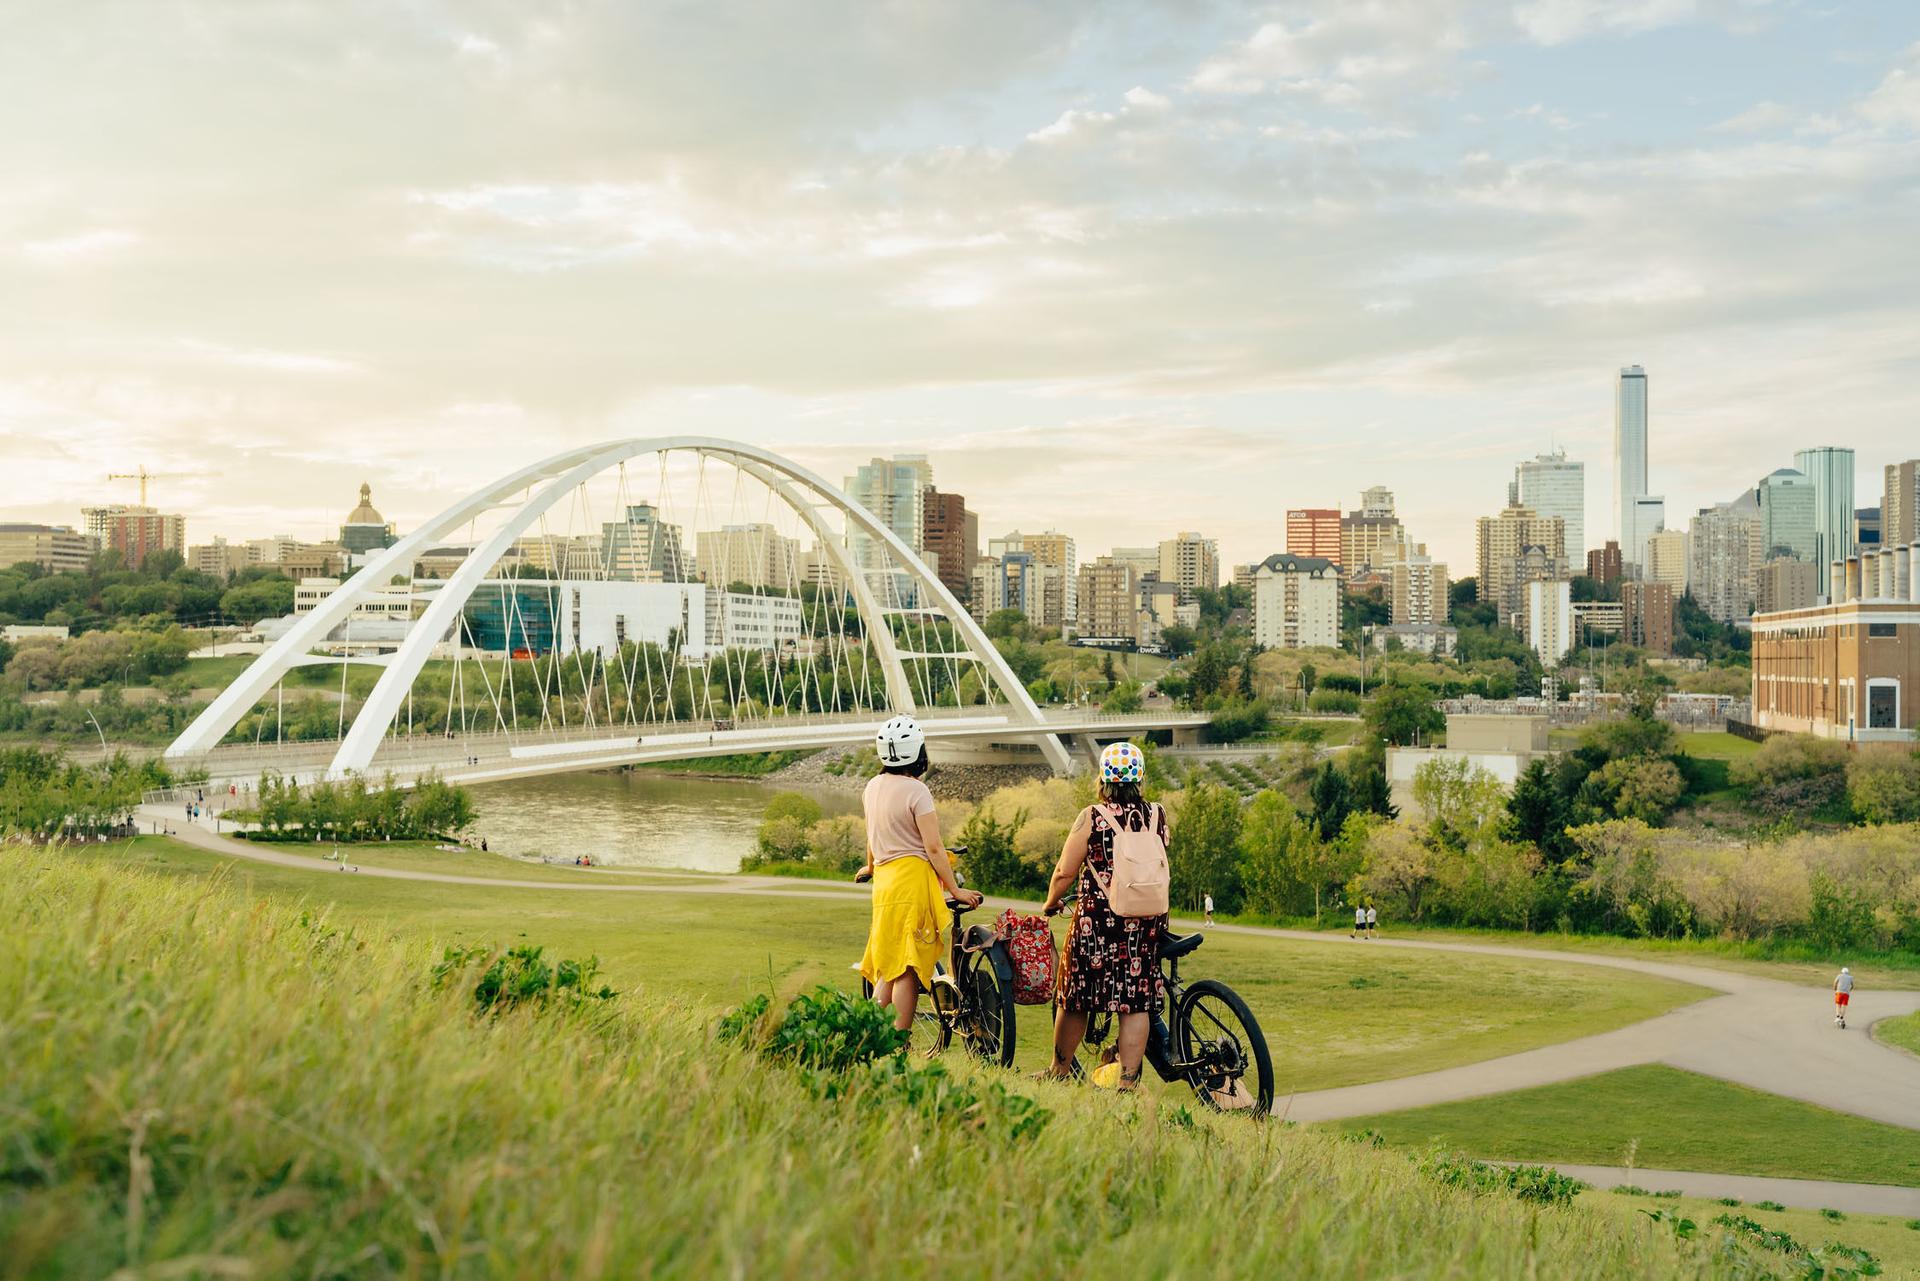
pixel 1303 251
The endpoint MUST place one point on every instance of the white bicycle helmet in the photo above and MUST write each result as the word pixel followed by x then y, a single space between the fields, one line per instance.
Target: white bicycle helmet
pixel 1122 763
pixel 899 741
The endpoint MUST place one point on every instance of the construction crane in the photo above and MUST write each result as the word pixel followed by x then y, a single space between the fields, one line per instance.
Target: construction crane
pixel 143 476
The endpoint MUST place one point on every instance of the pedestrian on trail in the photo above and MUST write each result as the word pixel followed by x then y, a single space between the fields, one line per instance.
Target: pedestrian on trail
pixel 913 879
pixel 1842 995
pixel 1209 908
pixel 1111 962
pixel 1359 922
pixel 1373 923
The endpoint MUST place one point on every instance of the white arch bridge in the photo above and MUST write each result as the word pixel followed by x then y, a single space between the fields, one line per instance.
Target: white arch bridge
pixel 864 628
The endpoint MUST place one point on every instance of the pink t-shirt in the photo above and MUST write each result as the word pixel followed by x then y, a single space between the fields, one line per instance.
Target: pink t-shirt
pixel 894 804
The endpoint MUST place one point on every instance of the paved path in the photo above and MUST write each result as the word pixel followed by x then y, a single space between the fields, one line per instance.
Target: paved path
pixel 1760 1032
pixel 1809 1194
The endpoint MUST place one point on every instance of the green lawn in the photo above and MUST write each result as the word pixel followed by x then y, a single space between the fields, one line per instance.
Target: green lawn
pixel 199 1085
pixel 1678 1120
pixel 1890 1240
pixel 1335 1013
pixel 1903 1032
pixel 1716 746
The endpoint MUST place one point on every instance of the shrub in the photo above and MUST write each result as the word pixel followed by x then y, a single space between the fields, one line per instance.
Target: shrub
pixel 1792 774
pixel 1338 701
pixel 521 976
pixel 1533 1183
pixel 1884 787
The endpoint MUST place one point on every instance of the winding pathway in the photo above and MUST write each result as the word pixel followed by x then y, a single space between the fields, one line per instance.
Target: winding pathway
pixel 1760 1032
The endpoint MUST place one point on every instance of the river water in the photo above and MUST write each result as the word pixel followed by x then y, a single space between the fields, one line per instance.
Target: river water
pixel 642 818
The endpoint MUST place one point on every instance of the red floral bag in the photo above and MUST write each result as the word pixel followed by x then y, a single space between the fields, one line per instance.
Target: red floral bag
pixel 1029 941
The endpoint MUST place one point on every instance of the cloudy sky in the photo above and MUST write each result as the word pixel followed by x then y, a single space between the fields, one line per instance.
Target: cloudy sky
pixel 1119 268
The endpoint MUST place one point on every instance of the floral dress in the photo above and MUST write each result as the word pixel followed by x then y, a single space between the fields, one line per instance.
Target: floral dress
pixel 1112 962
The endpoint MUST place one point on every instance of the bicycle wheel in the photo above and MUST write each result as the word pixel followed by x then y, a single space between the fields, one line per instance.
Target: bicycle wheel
pixel 1221 1039
pixel 986 1020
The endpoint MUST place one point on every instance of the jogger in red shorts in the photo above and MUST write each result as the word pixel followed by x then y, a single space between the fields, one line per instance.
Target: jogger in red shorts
pixel 1842 992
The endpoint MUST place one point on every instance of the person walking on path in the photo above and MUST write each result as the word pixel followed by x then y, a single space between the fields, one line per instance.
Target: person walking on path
pixel 1359 922
pixel 1373 923
pixel 1111 962
pixel 1209 909
pixel 912 876
pixel 1842 995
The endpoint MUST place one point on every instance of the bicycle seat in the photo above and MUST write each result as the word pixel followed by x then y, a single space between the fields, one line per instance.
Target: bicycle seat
pixel 1175 946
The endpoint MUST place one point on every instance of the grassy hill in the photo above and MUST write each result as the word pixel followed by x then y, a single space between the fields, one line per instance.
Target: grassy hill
pixel 203 1084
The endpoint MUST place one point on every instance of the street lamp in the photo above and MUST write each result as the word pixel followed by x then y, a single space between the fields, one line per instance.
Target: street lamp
pixel 96 729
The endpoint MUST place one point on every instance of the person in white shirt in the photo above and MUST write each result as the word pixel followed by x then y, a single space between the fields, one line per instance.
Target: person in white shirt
pixel 1373 923
pixel 1359 922
pixel 1209 907
pixel 1842 995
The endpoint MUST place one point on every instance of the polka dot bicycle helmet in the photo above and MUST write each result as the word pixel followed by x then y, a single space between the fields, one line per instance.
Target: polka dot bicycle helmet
pixel 1122 763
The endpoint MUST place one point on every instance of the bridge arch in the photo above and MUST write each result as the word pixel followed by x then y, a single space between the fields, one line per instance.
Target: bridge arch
pixel 529 493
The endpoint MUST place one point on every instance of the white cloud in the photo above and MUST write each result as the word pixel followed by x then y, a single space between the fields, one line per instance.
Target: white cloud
pixel 1895 102
pixel 78 247
pixel 1559 21
pixel 284 362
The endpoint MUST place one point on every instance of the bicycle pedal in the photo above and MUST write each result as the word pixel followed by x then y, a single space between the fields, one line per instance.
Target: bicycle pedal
pixel 946 994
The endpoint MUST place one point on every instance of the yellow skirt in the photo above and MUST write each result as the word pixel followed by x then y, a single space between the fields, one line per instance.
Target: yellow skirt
pixel 910 920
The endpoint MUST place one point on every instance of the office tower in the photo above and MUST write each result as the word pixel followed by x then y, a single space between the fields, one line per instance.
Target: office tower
pixel 1418 588
pixel 55 548
pixel 1109 597
pixel 365 529
pixel 950 539
pixel 1786 583
pixel 1786 515
pixel 1371 537
pixel 894 491
pixel 753 555
pixel 1831 471
pixel 1189 562
pixel 1145 560
pixel 1667 560
pixel 1649 518
pixel 1056 551
pixel 1900 505
pixel 1723 548
pixel 1604 563
pixel 135 532
pixel 1553 485
pixel 1549 619
pixel 1314 531
pixel 1629 457
pixel 643 548
pixel 1498 543
pixel 1296 602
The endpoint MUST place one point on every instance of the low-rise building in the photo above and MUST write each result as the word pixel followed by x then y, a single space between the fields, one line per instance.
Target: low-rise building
pixel 219 558
pixel 1848 670
pixel 58 549
pixel 390 602
pixel 1503 746
pixel 15 632
pixel 753 620
pixel 1296 602
pixel 1436 640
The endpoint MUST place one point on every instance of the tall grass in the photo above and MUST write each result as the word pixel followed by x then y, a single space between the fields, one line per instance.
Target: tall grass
pixel 196 1084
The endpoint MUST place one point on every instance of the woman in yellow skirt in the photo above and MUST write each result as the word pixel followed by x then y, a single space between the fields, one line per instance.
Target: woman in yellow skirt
pixel 912 876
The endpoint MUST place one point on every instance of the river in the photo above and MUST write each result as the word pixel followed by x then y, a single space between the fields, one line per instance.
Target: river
pixel 641 818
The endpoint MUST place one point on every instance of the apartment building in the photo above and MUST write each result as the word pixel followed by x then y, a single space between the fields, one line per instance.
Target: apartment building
pixel 1296 602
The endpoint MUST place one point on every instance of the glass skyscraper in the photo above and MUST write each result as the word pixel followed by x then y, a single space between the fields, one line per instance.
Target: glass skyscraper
pixel 1554 486
pixel 1786 516
pixel 1831 471
pixel 1630 460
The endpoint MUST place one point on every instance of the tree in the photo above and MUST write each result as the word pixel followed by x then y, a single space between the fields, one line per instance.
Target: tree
pixel 1331 799
pixel 1537 809
pixel 1793 775
pixel 1278 863
pixel 259 598
pixel 1462 802
pixel 1123 699
pixel 1179 640
pixel 992 862
pixel 1642 787
pixel 1205 853
pixel 1308 673
pixel 1245 687
pixel 1402 713
pixel 1209 674
pixel 1399 869
pixel 1106 669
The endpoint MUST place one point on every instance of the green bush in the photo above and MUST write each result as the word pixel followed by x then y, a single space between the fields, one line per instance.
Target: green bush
pixel 520 976
pixel 1793 775
pixel 1336 701
pixel 1884 786
pixel 1532 1183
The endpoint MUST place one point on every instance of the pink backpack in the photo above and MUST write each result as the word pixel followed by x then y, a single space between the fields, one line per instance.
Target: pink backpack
pixel 1138 885
pixel 1029 941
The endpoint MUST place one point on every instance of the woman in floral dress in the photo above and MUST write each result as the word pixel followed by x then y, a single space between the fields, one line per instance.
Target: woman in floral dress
pixel 1112 961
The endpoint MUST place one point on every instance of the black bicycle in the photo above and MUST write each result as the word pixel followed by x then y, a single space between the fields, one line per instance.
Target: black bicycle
pixel 972 990
pixel 1201 1033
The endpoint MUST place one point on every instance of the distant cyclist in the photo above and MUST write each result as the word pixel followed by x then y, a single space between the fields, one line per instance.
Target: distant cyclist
pixel 1842 995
